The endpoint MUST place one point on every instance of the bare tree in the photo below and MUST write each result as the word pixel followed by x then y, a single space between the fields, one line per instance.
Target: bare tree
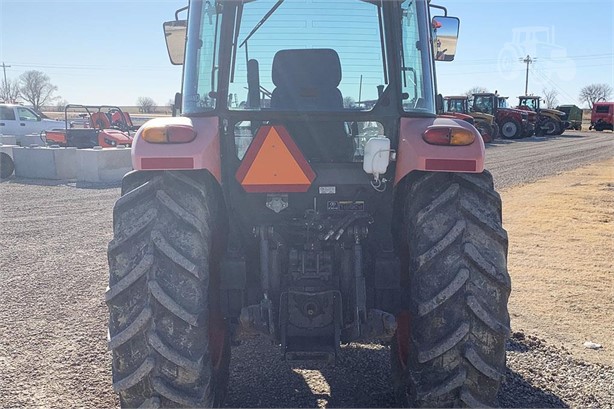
pixel 595 93
pixel 9 91
pixel 36 88
pixel 146 105
pixel 550 97
pixel 476 90
pixel 60 105
pixel 348 102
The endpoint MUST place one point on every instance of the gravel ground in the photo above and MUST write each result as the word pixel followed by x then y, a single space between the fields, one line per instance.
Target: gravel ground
pixel 527 160
pixel 53 274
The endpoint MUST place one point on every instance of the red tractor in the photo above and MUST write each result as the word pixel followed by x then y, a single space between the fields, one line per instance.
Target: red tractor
pixel 272 207
pixel 513 123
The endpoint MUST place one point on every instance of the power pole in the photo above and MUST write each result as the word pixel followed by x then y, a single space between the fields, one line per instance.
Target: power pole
pixel 4 67
pixel 529 61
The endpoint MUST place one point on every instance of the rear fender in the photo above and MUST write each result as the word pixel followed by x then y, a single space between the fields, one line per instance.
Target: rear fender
pixel 202 153
pixel 414 153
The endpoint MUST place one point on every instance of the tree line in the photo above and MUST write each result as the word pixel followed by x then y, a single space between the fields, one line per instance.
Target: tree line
pixel 35 88
pixel 590 94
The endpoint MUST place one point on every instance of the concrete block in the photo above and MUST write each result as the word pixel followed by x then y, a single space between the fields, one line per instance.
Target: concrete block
pixel 8 140
pixel 29 140
pixel 45 163
pixel 103 165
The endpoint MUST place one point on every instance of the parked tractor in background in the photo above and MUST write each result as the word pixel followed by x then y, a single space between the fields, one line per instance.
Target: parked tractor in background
pixel 485 123
pixel 513 123
pixel 283 212
pixel 549 121
pixel 532 116
pixel 602 116
pixel 573 114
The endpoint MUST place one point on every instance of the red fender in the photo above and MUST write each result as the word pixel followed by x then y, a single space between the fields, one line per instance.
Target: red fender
pixel 201 153
pixel 414 153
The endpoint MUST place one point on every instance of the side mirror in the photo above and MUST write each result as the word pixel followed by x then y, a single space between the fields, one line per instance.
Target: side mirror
pixel 175 36
pixel 445 36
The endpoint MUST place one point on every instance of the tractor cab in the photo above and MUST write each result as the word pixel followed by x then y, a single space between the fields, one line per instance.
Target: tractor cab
pixel 485 103
pixel 530 103
pixel 458 104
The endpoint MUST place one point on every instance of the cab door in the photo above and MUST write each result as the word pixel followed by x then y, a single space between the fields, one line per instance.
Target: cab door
pixel 28 122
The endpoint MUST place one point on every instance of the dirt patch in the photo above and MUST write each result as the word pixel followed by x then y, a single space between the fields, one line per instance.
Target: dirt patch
pixel 561 233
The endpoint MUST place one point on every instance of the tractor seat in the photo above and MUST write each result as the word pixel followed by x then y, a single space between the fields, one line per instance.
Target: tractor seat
pixel 307 80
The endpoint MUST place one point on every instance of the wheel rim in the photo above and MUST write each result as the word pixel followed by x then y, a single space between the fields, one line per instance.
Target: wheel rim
pixel 509 129
pixel 550 127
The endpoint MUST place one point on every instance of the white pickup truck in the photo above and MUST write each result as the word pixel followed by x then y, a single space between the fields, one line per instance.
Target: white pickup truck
pixel 18 120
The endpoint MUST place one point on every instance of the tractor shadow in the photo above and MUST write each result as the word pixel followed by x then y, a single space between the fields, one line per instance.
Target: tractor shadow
pixel 259 377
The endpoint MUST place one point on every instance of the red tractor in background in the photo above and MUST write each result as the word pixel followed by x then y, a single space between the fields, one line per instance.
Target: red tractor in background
pixel 602 116
pixel 100 125
pixel 513 123
pixel 272 207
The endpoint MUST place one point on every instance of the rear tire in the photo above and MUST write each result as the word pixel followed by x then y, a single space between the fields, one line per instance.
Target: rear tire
pixel 166 332
pixel 485 130
pixel 511 129
pixel 551 128
pixel 455 249
pixel 7 167
pixel 495 130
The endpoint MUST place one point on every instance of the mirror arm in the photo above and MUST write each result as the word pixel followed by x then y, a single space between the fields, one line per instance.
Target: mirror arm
pixel 179 11
pixel 445 10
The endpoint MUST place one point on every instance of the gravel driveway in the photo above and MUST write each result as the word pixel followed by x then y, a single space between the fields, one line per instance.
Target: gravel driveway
pixel 53 275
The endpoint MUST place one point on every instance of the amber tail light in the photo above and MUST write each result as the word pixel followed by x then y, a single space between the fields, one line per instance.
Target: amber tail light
pixel 448 136
pixel 168 134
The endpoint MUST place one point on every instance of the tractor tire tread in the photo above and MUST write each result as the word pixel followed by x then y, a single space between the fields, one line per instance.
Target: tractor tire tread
pixel 158 290
pixel 458 290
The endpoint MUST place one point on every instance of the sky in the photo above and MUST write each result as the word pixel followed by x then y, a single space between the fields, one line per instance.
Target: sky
pixel 113 52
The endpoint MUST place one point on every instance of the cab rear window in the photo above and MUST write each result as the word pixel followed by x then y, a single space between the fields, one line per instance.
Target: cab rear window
pixel 602 109
pixel 7 114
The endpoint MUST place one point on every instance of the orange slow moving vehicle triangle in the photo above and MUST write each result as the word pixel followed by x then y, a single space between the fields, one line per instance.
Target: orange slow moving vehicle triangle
pixel 273 163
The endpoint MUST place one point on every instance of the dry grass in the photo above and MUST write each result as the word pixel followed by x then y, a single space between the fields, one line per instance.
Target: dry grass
pixel 561 234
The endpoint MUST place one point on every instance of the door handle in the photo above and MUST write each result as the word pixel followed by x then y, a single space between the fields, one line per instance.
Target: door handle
pixel 22 124
pixel 2 124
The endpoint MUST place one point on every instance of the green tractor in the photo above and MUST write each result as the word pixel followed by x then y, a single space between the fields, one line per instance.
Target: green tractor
pixel 549 121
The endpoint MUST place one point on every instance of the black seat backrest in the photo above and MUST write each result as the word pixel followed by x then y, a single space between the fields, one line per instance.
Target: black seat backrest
pixel 307 80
